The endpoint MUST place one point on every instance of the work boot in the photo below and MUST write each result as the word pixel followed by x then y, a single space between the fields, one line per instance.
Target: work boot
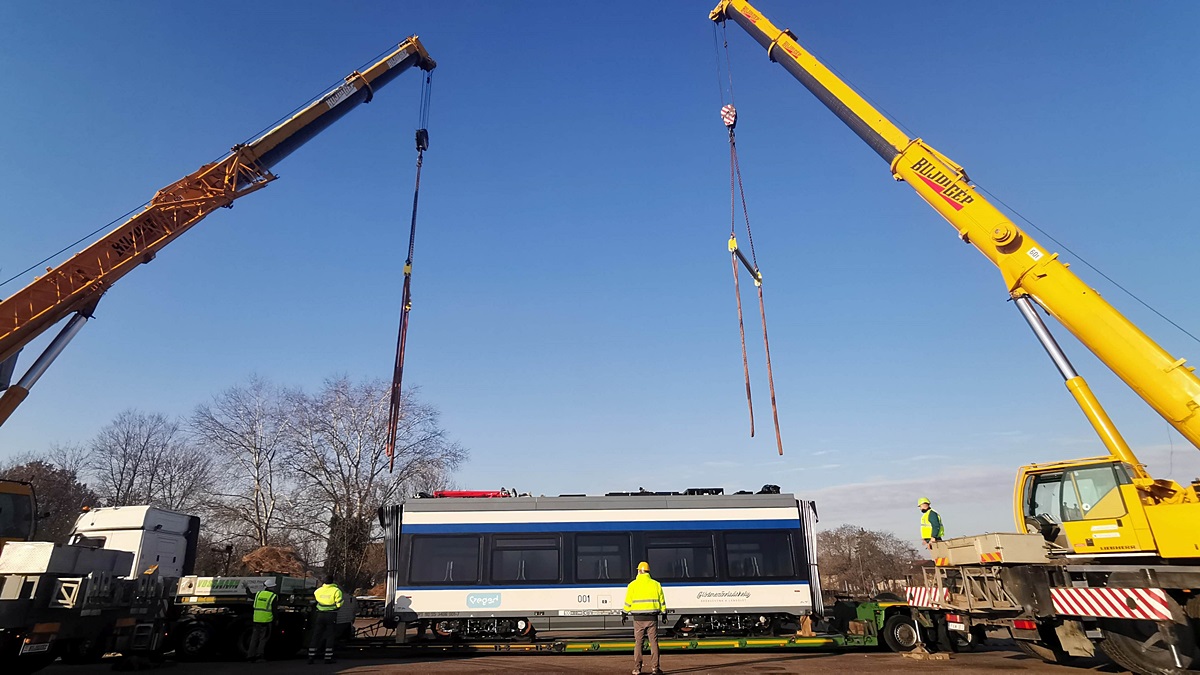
pixel 328 661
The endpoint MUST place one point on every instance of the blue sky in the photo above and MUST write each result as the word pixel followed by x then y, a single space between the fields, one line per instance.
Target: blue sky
pixel 574 317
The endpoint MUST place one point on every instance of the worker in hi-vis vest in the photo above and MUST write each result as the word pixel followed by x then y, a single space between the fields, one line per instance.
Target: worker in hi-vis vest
pixel 324 626
pixel 645 601
pixel 932 528
pixel 264 616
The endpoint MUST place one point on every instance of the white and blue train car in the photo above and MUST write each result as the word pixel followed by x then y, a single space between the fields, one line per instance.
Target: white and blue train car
pixel 507 566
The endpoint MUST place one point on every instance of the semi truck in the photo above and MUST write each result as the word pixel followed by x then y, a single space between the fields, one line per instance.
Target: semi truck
pixel 124 583
pixel 1105 555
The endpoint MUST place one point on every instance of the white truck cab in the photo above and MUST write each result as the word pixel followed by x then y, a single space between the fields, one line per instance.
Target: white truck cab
pixel 155 537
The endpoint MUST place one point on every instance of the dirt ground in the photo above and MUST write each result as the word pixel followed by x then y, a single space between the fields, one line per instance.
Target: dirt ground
pixel 995 658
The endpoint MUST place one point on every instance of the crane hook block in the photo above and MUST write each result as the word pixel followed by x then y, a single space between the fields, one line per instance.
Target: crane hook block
pixel 422 140
pixel 729 116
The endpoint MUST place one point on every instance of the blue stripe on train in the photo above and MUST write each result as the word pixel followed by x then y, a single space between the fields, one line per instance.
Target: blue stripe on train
pixel 619 526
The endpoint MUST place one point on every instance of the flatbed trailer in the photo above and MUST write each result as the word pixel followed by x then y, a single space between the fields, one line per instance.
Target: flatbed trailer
pixel 831 642
pixel 864 625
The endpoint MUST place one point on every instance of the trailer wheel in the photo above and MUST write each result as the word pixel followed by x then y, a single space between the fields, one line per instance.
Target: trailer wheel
pixel 194 641
pixel 900 634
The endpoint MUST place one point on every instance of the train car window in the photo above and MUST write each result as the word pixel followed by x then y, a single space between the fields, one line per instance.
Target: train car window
pixel 753 555
pixel 444 560
pixel 602 557
pixel 525 560
pixel 675 557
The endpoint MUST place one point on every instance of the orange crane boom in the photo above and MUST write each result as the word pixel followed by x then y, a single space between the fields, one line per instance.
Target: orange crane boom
pixel 75 286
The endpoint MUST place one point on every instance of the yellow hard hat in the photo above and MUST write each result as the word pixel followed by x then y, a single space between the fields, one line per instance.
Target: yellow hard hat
pixel 922 500
pixel 643 567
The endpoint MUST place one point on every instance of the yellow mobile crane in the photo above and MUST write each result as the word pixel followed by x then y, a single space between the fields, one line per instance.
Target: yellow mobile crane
pixel 1139 536
pixel 75 286
pixel 1161 514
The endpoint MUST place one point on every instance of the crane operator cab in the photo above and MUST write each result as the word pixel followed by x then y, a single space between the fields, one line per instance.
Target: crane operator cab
pixel 17 511
pixel 1084 506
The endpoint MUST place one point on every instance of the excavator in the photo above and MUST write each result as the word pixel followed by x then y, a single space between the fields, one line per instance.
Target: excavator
pixel 73 288
pixel 1131 529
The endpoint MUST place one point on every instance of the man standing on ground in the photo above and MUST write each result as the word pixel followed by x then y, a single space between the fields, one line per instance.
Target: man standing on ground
pixel 264 617
pixel 645 601
pixel 932 528
pixel 324 629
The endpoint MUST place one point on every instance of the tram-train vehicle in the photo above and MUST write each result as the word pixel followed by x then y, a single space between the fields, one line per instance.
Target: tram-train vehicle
pixel 496 565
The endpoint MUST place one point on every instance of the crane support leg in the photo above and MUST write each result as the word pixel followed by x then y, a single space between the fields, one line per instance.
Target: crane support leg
pixel 15 394
pixel 1088 403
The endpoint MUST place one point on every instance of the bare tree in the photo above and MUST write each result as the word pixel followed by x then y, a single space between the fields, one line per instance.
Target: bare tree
pixel 70 456
pixel 143 458
pixel 243 430
pixel 864 562
pixel 337 454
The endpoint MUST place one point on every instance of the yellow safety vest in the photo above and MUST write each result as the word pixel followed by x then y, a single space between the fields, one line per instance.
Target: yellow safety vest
pixel 329 598
pixel 264 606
pixel 644 596
pixel 927 527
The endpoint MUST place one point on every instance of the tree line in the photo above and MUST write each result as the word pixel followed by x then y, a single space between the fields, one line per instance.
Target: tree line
pixel 863 563
pixel 263 465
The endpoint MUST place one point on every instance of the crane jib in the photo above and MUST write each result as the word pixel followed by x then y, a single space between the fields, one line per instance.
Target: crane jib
pixel 76 285
pixel 861 127
pixel 332 107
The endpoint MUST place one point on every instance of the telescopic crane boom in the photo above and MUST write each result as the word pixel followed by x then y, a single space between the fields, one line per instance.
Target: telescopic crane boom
pixel 1161 379
pixel 75 286
pixel 1160 511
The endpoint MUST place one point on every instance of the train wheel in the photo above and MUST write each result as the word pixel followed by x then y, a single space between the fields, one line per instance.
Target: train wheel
pixel 446 629
pixel 900 633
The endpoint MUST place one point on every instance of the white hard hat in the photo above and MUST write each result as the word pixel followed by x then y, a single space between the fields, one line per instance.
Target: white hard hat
pixel 268 583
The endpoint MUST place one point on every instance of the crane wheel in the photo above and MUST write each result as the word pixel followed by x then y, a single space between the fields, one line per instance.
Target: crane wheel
pixel 1141 646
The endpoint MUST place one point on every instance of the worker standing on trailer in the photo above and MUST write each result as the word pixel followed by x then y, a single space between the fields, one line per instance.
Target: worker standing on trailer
pixel 932 528
pixel 324 625
pixel 264 617
pixel 645 601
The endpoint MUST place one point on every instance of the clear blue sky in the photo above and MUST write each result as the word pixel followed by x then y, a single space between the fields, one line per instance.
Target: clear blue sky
pixel 574 316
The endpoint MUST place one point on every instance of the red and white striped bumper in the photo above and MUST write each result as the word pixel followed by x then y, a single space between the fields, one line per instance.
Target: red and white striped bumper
pixel 1113 603
pixel 926 596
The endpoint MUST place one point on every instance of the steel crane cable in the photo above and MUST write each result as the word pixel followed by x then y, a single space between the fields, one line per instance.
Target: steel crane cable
pixel 396 395
pixel 729 116
pixel 736 190
pixel 1083 260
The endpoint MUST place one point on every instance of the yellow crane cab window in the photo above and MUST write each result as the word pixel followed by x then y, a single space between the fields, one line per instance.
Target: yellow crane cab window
pixel 16 516
pixel 1096 494
pixel 1044 492
pixel 1085 493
